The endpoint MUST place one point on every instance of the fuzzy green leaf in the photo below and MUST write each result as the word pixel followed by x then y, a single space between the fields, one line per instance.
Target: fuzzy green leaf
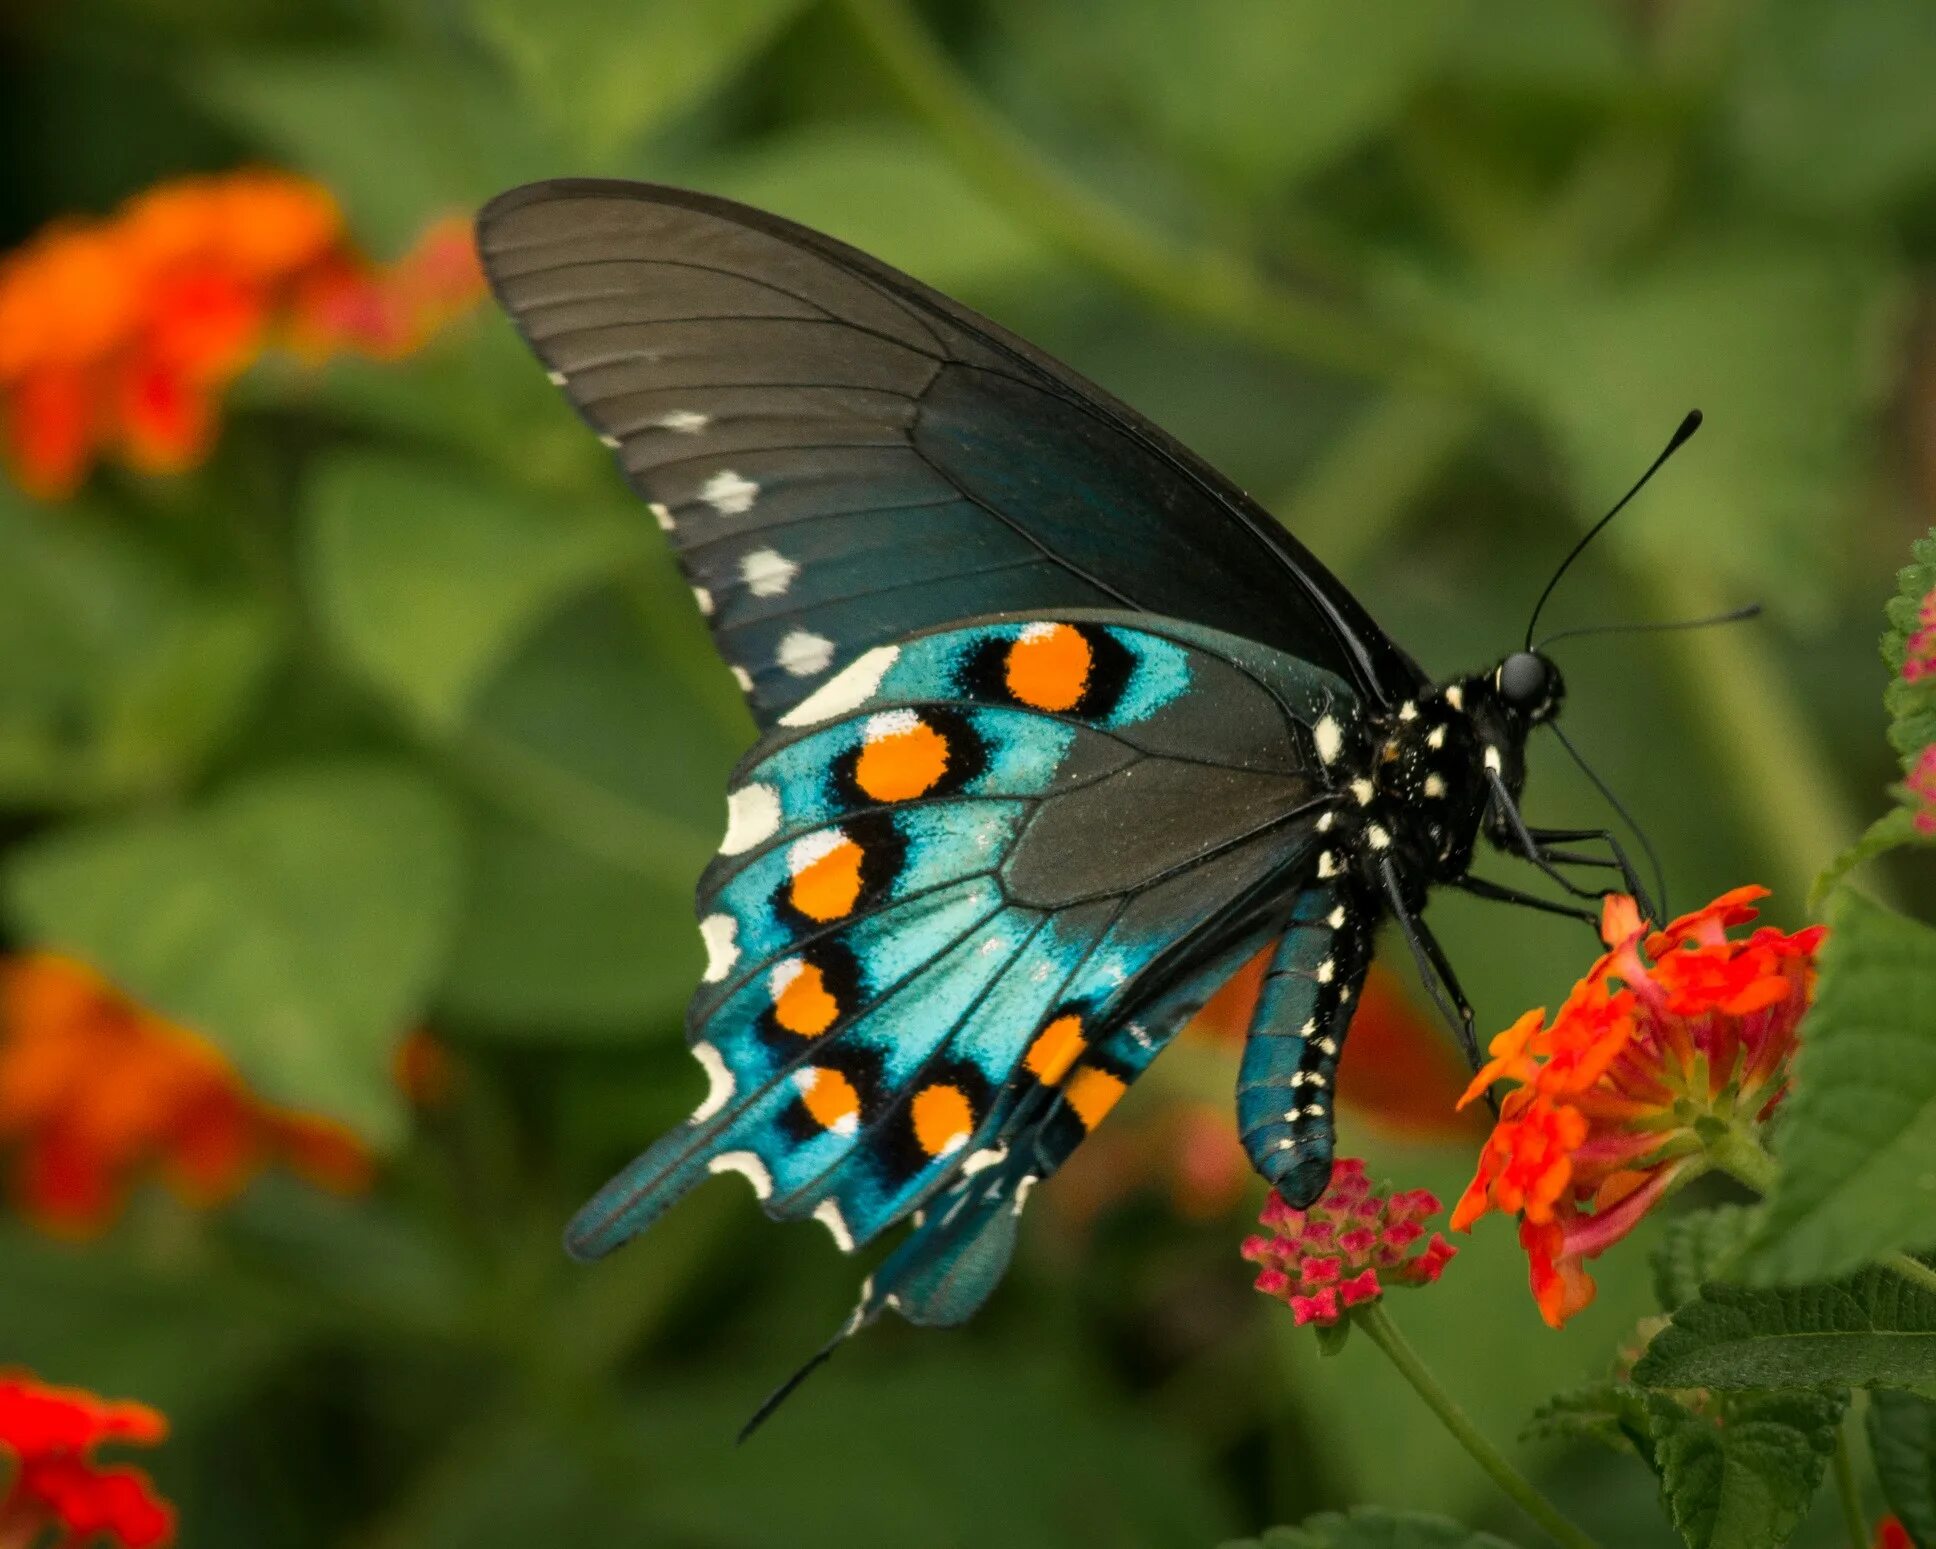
pixel 428 581
pixel 1614 1414
pixel 1911 706
pixel 1902 1438
pixel 299 920
pixel 1696 1248
pixel 1746 1482
pixel 1369 1527
pixel 1857 1142
pixel 1873 1330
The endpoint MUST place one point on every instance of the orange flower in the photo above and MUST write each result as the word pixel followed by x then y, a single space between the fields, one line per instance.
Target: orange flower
pixel 96 1092
pixel 51 1434
pixel 1668 1033
pixel 120 335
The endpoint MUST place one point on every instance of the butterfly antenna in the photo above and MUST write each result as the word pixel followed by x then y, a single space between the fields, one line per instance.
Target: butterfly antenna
pixel 1675 442
pixel 1732 616
pixel 1613 801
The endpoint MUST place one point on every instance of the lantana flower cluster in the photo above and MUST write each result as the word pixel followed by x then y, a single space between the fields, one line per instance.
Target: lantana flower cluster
pixel 96 1092
pixel 1672 1036
pixel 118 336
pixel 58 1487
pixel 1343 1251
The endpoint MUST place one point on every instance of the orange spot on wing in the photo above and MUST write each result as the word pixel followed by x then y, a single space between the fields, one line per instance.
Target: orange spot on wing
pixel 1092 1093
pixel 903 764
pixel 831 1099
pixel 1055 1049
pixel 1048 667
pixel 805 1006
pixel 942 1119
pixel 828 887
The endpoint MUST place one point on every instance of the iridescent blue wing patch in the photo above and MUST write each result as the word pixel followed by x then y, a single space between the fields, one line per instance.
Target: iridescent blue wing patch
pixel 968 890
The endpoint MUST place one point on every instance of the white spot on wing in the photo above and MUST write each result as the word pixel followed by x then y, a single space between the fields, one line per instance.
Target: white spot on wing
pixel 744 679
pixel 1327 864
pixel 705 600
pixel 720 932
pixel 803 653
pixel 767 572
pixel 851 688
pixel 1329 738
pixel 752 816
pixel 719 1090
pixel 1326 971
pixel 728 494
pixel 684 421
pixel 890 723
pixel 806 1080
pixel 827 1213
pixel 1336 918
pixel 661 515
pixel 748 1166
pixel 812 848
pixel 556 378
pixel 1022 1187
pixel 987 1157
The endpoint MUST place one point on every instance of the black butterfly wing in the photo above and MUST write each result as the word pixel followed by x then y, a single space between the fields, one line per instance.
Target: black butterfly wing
pixel 843 457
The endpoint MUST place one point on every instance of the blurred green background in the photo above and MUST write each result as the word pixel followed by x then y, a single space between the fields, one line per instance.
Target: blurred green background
pixel 394 713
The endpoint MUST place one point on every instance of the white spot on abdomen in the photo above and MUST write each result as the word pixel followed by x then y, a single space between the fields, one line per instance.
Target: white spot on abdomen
pixel 661 515
pixel 728 494
pixel 752 816
pixel 851 689
pixel 767 572
pixel 1434 786
pixel 684 421
pixel 803 653
pixel 720 932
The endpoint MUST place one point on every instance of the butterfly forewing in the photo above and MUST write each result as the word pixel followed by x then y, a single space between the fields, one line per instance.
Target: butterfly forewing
pixel 842 457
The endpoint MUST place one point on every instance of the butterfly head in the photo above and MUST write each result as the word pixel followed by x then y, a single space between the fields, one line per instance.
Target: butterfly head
pixel 1529 687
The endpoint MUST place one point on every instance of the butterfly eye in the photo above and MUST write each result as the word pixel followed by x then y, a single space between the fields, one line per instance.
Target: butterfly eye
pixel 1527 682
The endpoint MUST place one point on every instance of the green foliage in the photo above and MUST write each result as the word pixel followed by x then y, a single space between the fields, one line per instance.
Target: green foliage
pixel 239 916
pixel 1614 1414
pixel 1873 1330
pixel 1698 1247
pixel 1858 1137
pixel 1902 1439
pixel 1744 1483
pixel 1367 1527
pixel 1911 706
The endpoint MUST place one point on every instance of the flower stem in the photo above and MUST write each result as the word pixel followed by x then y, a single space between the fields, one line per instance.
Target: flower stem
pixel 1382 1332
pixel 1853 1517
pixel 1747 1161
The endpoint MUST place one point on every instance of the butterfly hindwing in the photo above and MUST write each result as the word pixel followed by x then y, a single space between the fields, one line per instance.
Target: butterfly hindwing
pixel 928 937
pixel 842 457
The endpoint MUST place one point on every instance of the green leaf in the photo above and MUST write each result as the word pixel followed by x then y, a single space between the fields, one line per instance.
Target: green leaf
pixel 1902 1439
pixel 607 71
pixel 1614 1414
pixel 557 944
pixel 298 919
pixel 427 581
pixel 1894 829
pixel 1800 129
pixel 398 137
pixel 1744 1483
pixel 1370 1527
pixel 1857 1142
pixel 1696 1248
pixel 888 193
pixel 1783 344
pixel 1911 706
pixel 1873 1330
pixel 118 677
pixel 1258 93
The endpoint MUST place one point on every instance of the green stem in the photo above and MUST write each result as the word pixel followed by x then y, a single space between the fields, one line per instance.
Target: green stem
pixel 1214 285
pixel 1853 1517
pixel 1748 1162
pixel 1379 1327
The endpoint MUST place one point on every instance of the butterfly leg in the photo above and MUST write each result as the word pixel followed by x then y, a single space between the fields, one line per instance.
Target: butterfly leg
pixel 1290 1059
pixel 1630 878
pixel 1498 893
pixel 1510 831
pixel 1434 968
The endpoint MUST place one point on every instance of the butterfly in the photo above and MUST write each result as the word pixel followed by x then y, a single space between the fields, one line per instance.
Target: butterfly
pixel 1057 729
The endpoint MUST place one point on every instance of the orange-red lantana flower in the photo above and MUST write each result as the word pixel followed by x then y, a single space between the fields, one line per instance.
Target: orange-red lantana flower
pixel 96 1092
pixel 118 336
pixel 1339 1253
pixel 1667 1030
pixel 57 1486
